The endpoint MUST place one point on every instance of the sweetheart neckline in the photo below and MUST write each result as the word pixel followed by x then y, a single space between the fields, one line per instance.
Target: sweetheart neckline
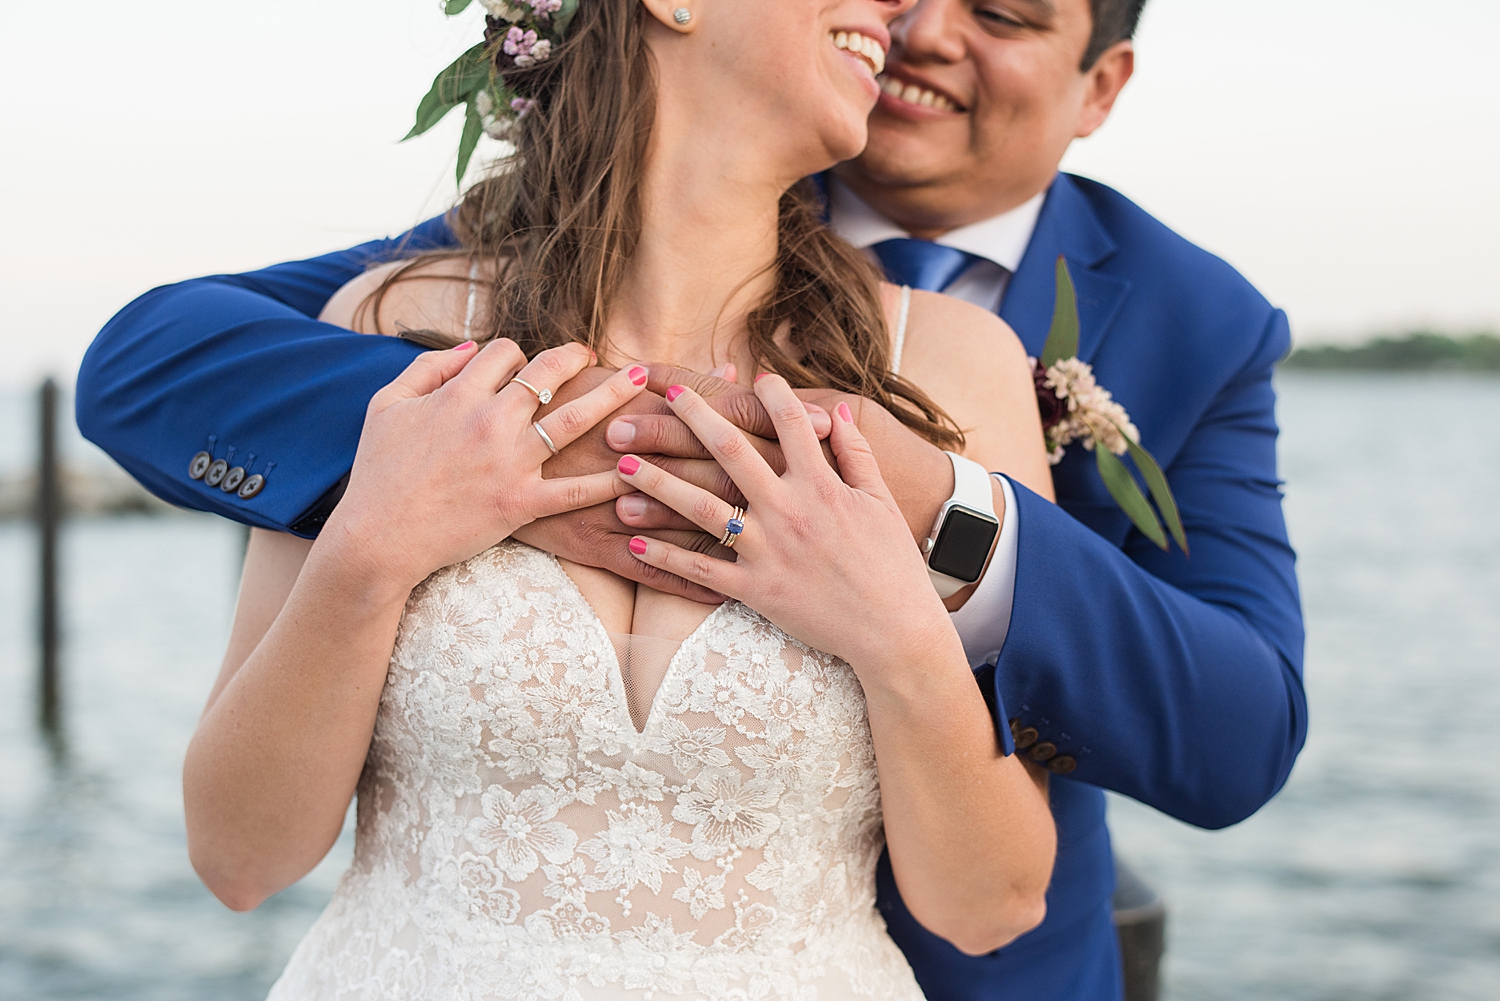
pixel 617 674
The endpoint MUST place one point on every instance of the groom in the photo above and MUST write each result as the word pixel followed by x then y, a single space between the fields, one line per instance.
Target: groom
pixel 1110 664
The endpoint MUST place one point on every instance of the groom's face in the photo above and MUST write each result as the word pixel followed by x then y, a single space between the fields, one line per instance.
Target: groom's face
pixel 982 98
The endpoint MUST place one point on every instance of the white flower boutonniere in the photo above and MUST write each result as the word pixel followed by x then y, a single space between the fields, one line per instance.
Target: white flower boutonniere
pixel 1074 407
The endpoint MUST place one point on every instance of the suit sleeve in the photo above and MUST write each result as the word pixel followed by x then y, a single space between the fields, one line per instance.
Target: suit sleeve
pixel 1175 681
pixel 239 367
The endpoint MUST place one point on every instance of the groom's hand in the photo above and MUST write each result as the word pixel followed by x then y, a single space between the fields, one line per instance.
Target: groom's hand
pixel 596 536
pixel 919 475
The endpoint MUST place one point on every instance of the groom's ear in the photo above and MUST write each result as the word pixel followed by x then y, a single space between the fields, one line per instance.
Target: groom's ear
pixel 1106 78
pixel 679 15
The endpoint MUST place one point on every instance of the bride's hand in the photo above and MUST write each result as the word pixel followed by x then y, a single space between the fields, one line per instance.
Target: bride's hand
pixel 449 463
pixel 829 560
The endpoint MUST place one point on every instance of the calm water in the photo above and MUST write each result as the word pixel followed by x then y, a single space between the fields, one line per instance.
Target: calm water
pixel 1375 875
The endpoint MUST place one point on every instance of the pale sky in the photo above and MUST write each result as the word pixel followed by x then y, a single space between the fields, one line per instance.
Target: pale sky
pixel 1341 153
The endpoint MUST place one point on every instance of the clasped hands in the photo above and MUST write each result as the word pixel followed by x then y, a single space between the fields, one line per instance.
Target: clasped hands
pixel 917 474
pixel 449 465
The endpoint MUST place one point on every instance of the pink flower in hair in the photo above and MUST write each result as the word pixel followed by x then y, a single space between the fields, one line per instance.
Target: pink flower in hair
pixel 519 43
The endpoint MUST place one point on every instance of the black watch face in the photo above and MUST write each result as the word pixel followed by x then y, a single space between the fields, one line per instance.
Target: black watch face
pixel 963 545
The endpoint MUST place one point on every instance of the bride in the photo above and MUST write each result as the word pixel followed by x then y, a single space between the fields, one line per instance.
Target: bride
pixel 570 786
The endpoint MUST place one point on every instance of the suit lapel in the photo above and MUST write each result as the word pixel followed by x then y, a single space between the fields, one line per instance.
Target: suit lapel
pixel 1068 227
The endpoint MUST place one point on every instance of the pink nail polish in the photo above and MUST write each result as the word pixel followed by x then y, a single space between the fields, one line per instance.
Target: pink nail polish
pixel 466 345
pixel 630 465
pixel 845 414
pixel 638 546
pixel 673 392
pixel 637 375
pixel 762 376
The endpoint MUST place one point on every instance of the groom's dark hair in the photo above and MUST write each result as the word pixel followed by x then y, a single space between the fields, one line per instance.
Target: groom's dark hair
pixel 1114 21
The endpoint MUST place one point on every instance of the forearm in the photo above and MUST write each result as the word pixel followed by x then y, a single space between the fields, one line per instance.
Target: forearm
pixel 238 366
pixel 970 834
pixel 276 757
pixel 1190 705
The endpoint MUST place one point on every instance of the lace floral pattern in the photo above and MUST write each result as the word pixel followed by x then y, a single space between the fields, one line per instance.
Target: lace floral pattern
pixel 519 838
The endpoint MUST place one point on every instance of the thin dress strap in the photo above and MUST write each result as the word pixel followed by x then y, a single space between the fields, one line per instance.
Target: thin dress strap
pixel 473 298
pixel 901 330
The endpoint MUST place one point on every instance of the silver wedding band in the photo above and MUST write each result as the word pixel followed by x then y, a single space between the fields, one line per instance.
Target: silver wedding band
pixel 544 397
pixel 546 438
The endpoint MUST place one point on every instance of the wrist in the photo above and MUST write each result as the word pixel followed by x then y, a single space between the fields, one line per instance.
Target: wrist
pixel 908 663
pixel 356 563
pixel 922 488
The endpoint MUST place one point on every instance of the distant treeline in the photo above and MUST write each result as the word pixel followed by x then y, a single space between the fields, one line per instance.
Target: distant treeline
pixel 1417 352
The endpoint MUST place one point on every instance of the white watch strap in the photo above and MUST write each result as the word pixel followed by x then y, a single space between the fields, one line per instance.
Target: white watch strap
pixel 971 489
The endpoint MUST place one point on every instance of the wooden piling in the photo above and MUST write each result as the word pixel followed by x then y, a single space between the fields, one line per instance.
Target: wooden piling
pixel 49 503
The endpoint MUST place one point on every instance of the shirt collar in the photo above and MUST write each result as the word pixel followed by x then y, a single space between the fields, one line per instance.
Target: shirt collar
pixel 1001 239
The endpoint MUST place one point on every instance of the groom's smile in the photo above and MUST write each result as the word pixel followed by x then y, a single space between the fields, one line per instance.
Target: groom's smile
pixel 979 101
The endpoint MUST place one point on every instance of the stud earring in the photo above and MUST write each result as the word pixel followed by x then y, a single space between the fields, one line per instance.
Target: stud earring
pixel 682 15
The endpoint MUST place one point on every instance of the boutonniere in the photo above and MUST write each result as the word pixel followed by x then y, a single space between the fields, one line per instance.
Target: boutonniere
pixel 1075 407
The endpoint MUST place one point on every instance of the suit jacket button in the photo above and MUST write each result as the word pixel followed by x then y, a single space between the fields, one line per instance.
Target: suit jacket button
pixel 199 465
pixel 1042 751
pixel 1062 764
pixel 1025 738
pixel 233 479
pixel 251 486
pixel 216 473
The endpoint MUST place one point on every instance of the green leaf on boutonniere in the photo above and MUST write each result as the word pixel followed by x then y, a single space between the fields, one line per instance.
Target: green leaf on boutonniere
pixel 473 127
pixel 455 85
pixel 1160 492
pixel 1062 339
pixel 1127 493
pixel 456 6
pixel 564 17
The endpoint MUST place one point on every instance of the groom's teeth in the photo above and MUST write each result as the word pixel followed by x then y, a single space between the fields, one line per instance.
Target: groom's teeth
pixel 912 94
pixel 866 48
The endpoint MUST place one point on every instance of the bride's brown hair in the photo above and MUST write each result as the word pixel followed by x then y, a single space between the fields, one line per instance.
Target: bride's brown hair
pixel 561 218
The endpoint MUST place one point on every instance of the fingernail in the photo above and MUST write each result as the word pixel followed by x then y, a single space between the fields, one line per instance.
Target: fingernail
pixel 845 414
pixel 466 345
pixel 633 506
pixel 675 391
pixel 637 375
pixel 638 546
pixel 629 465
pixel 620 434
pixel 762 376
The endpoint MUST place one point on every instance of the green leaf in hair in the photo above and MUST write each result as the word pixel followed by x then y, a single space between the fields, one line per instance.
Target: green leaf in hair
pixel 473 127
pixel 564 16
pixel 453 86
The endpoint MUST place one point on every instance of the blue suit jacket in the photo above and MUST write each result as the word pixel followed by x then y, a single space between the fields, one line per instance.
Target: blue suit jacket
pixel 1175 681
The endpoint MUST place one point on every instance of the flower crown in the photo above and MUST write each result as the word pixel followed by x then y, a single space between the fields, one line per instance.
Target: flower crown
pixel 517 34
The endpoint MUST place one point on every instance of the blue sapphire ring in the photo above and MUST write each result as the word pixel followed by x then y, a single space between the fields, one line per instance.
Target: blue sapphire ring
pixel 732 528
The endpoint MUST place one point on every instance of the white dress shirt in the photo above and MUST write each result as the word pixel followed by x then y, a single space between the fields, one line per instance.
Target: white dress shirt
pixel 999 243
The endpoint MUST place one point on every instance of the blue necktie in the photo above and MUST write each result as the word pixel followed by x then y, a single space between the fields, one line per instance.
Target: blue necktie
pixel 922 264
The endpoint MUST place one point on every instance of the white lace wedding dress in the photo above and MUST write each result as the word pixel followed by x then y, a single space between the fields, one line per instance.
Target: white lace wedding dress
pixel 518 838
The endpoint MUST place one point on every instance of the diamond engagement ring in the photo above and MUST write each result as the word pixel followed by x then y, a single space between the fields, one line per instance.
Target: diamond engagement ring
pixel 544 397
pixel 732 528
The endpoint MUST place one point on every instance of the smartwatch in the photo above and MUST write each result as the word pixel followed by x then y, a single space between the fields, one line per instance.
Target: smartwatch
pixel 960 543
